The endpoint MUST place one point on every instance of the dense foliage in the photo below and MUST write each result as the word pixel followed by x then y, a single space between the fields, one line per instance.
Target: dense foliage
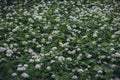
pixel 60 40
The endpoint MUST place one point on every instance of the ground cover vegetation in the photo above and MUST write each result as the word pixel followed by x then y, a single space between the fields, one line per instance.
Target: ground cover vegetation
pixel 60 40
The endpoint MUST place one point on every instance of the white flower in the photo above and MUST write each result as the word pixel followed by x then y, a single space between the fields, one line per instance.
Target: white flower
pixel 56 10
pixel 66 49
pixel 54 48
pixel 24 42
pixel 100 71
pixel 79 57
pixel 102 28
pixel 73 70
pixel 14 74
pixel 80 70
pixel 116 54
pixel 24 75
pixel 25 65
pixel 5 44
pixel 113 36
pixel 89 55
pixel 33 33
pixel 63 44
pixel 2 59
pixel 116 79
pixel 43 40
pixel 46 27
pixel 55 32
pixel 102 56
pixel 117 32
pixel 9 52
pixel 50 37
pixel 53 75
pixel 69 28
pixel 19 65
pixel 93 42
pixel 74 77
pixel 31 60
pixel 112 49
pixel 37 60
pixel 61 58
pixel 48 68
pixel 113 65
pixel 2 49
pixel 27 36
pixel 21 68
pixel 38 17
pixel 31 20
pixel 72 52
pixel 8 55
pixel 37 66
pixel 26 13
pixel 84 37
pixel 95 34
pixel 52 61
pixel 30 51
pixel 69 59
pixel 38 46
pixel 78 49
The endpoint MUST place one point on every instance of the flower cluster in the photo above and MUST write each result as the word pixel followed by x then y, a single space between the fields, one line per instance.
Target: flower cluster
pixel 60 40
